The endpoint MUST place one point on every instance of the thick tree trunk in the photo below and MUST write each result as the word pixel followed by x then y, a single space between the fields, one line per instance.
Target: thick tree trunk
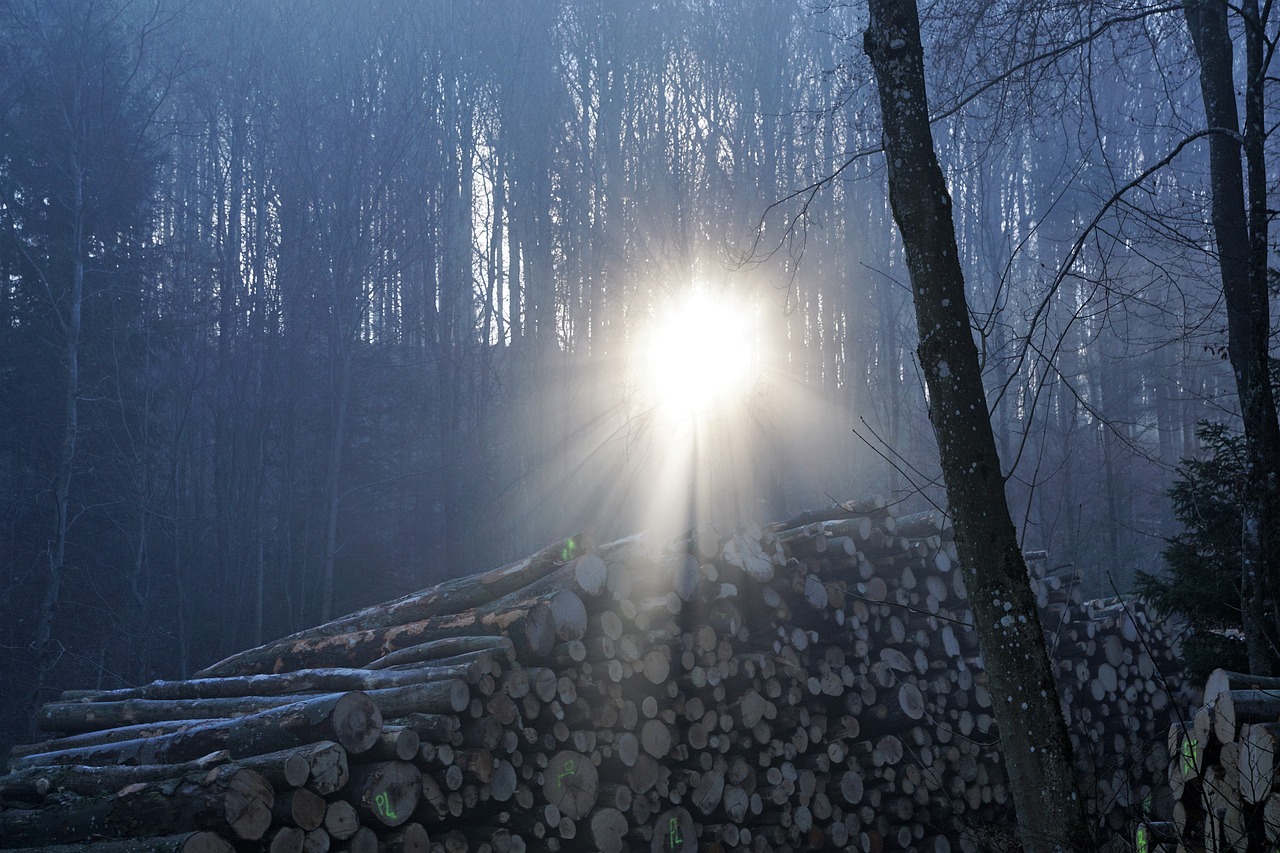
pixel 1036 747
pixel 1241 240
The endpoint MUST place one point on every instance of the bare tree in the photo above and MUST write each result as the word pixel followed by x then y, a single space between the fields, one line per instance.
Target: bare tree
pixel 1036 746
pixel 1240 231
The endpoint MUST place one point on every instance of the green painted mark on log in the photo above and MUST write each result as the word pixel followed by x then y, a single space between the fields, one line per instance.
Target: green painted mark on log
pixel 382 803
pixel 674 839
pixel 1189 755
pixel 570 768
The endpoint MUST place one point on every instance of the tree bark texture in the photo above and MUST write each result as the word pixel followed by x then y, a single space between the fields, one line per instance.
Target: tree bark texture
pixel 1036 747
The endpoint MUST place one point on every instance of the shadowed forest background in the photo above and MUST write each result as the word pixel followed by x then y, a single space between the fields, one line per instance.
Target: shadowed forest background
pixel 305 304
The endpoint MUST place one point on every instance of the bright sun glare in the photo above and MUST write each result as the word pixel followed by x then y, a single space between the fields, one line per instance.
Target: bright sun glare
pixel 700 355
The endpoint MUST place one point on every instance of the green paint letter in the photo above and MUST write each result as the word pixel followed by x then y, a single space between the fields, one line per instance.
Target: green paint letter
pixel 382 803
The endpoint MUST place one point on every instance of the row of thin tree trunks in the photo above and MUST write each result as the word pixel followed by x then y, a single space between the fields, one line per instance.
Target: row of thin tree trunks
pixel 813 685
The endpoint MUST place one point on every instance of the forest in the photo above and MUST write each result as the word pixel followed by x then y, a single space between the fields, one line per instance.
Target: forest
pixel 307 304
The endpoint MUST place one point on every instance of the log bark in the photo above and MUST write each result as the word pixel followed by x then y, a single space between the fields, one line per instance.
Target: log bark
pixel 36 783
pixel 444 599
pixel 228 799
pixel 177 695
pixel 448 647
pixel 534 625
pixel 349 719
pixel 186 842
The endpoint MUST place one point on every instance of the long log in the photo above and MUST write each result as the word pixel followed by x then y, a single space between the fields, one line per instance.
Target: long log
pixel 532 624
pixel 91 716
pixel 447 647
pixel 351 720
pixel 34 784
pixel 440 600
pixel 254 687
pixel 433 697
pixel 104 736
pixel 228 799
pixel 186 842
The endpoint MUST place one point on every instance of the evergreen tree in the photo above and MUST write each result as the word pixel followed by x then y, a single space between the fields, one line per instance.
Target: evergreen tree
pixel 1202 584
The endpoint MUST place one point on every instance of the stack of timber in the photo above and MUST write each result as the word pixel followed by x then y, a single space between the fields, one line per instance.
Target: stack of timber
pixel 1225 775
pixel 812 685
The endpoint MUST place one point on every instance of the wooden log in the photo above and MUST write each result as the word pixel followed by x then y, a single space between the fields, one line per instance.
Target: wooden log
pixel 533 624
pixel 433 697
pixel 1257 760
pixel 321 767
pixel 674 832
pixel 1223 680
pixel 83 717
pixel 105 736
pixel 921 524
pixel 385 793
pixel 348 719
pixel 745 552
pixel 441 600
pixel 317 841
pixel 408 838
pixel 396 743
pixel 500 646
pixel 608 830
pixel 571 783
pixel 341 821
pixel 286 839
pixel 228 799
pixel 259 687
pixel 433 728
pixel 298 807
pixel 365 840
pixel 35 783
pixel 1232 708
pixel 836 512
pixel 186 842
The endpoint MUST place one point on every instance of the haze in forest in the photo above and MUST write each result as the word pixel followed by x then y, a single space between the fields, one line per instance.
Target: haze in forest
pixel 362 295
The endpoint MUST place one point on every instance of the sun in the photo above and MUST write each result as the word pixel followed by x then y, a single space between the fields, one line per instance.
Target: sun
pixel 701 355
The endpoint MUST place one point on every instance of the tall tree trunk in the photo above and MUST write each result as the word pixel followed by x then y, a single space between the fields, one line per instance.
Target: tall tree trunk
pixel 1241 238
pixel 1033 734
pixel 333 480
pixel 43 644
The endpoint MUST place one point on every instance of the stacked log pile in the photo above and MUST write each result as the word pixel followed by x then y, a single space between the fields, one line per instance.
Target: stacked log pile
pixel 1225 776
pixel 815 685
